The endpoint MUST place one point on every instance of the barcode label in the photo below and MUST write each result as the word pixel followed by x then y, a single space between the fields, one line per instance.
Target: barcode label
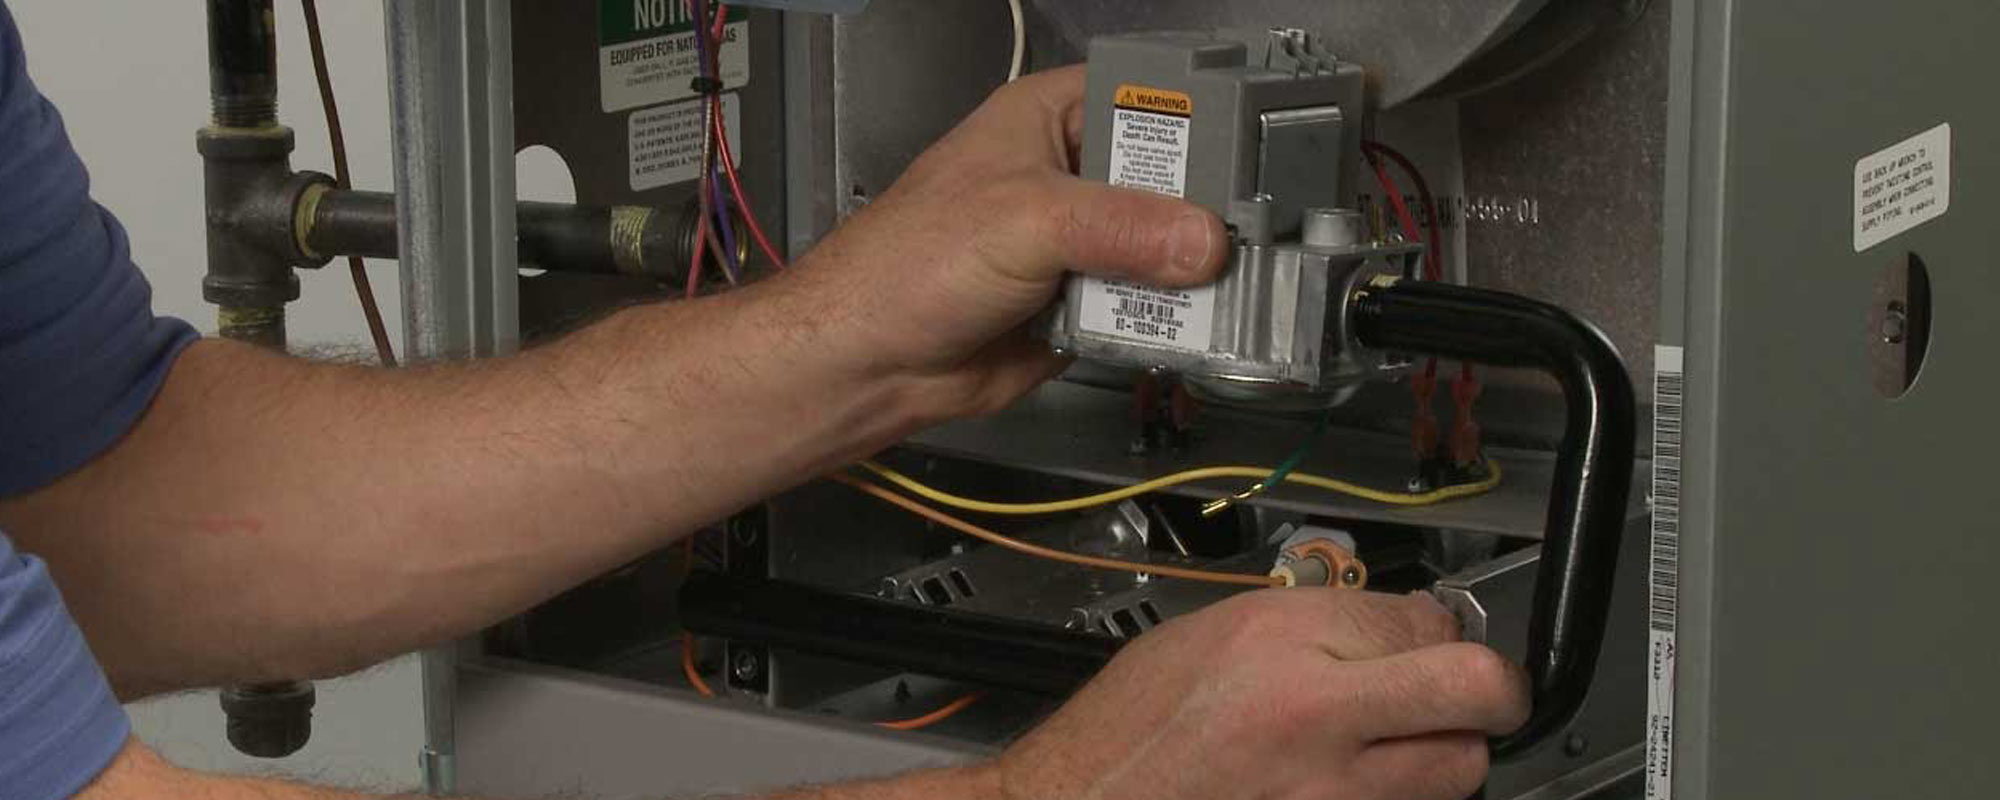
pixel 1177 318
pixel 1664 568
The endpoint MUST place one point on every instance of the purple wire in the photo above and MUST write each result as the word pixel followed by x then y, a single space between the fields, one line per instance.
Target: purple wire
pixel 721 206
pixel 717 203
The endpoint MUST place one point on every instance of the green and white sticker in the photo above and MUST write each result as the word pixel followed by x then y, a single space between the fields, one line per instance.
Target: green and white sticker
pixel 647 52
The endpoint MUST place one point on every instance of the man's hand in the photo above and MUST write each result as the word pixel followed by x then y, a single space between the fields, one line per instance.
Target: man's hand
pixel 1292 693
pixel 941 272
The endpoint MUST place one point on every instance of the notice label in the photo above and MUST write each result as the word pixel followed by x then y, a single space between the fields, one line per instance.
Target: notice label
pixel 665 142
pixel 1902 187
pixel 1149 151
pixel 647 52
pixel 1664 570
pixel 1149 140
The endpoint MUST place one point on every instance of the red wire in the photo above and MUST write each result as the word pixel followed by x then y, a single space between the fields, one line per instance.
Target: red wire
pixel 1467 388
pixel 1395 194
pixel 736 189
pixel 700 250
pixel 1434 255
pixel 701 199
pixel 720 130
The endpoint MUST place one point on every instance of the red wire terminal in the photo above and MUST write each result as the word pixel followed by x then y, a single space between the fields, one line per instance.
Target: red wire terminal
pixel 1424 422
pixel 1465 434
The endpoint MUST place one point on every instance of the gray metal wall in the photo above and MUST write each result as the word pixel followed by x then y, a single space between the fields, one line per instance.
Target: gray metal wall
pixel 1834 641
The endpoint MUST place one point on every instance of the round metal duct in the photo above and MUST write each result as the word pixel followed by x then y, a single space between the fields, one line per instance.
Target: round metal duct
pixel 1410 47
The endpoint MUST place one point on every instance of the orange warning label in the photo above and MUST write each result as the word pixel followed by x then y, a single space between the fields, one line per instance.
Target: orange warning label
pixel 1157 101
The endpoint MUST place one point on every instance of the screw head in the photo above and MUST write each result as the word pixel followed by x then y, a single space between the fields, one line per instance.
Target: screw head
pixel 1576 745
pixel 1351 576
pixel 1895 324
pixel 744 665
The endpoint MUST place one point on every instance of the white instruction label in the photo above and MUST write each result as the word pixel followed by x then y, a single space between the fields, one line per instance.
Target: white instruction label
pixel 665 142
pixel 1149 151
pixel 647 52
pixel 1149 140
pixel 1902 187
pixel 1664 570
pixel 1183 319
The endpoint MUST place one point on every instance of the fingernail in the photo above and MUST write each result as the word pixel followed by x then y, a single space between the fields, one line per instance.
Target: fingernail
pixel 1193 245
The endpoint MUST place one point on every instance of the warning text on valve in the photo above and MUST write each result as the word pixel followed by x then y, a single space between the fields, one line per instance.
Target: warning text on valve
pixel 1149 151
pixel 1902 187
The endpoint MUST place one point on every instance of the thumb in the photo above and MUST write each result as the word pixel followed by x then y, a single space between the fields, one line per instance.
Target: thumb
pixel 1108 231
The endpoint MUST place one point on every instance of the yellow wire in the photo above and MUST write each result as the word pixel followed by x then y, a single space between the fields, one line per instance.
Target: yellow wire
pixel 1432 497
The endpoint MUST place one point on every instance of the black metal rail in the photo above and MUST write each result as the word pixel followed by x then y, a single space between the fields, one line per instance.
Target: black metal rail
pixel 971 647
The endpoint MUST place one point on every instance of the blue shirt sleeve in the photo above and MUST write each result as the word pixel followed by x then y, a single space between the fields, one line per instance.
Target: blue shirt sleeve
pixel 81 352
pixel 60 725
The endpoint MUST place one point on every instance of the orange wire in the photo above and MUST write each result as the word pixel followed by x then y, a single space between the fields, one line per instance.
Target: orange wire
pixel 688 667
pixel 1016 545
pixel 933 718
pixel 915 723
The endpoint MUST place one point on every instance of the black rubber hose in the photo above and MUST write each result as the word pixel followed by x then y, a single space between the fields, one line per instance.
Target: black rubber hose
pixel 551 236
pixel 949 644
pixel 1593 474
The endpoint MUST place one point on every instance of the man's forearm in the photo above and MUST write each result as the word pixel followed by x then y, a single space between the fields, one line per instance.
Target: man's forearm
pixel 274 518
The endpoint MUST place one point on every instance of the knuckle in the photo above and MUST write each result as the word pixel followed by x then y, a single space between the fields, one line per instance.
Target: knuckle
pixel 1481 671
pixel 1464 771
pixel 1430 620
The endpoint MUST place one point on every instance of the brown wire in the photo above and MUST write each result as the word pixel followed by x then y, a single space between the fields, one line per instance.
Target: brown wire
pixel 1038 551
pixel 363 291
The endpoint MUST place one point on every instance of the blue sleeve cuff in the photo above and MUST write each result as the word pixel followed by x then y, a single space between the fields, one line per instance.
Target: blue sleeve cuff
pixel 60 725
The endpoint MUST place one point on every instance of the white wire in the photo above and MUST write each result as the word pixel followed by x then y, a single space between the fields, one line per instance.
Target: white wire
pixel 1020 41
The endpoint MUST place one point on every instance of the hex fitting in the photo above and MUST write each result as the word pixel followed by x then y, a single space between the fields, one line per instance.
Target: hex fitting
pixel 269 720
pixel 1320 561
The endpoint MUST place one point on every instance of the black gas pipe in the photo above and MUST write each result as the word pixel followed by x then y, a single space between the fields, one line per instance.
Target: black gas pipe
pixel 1593 474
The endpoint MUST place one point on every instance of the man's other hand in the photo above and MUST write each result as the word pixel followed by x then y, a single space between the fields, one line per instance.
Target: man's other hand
pixel 1288 693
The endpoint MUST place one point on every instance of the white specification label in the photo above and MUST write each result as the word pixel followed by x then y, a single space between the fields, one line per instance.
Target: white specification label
pixel 1664 569
pixel 665 142
pixel 647 53
pixel 1902 187
pixel 1182 319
